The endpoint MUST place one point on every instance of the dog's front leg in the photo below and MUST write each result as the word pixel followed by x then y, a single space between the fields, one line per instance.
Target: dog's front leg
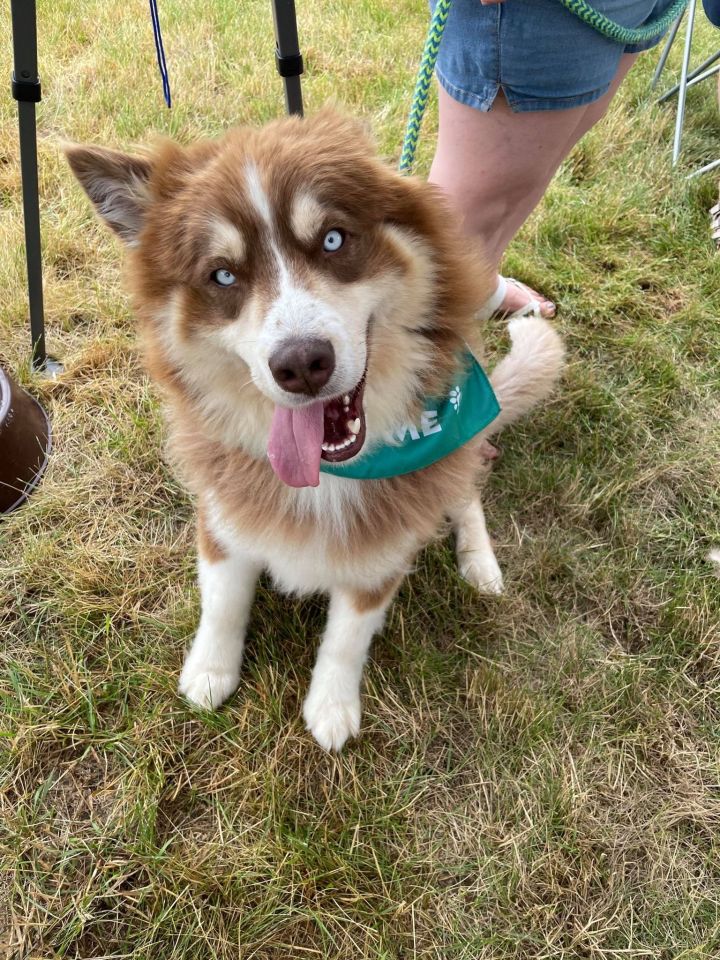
pixel 332 707
pixel 227 585
pixel 476 557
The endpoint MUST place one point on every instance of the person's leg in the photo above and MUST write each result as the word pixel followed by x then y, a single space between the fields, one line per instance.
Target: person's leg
pixel 495 166
pixel 596 111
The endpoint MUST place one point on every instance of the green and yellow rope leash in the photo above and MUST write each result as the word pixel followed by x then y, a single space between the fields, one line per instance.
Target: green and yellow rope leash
pixel 422 84
pixel 613 31
pixel 598 21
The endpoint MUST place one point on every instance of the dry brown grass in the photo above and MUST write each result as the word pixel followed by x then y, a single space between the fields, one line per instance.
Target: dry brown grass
pixel 539 778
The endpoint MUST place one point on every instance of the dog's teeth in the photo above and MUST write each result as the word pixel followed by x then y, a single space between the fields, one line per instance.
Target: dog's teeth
pixel 354 425
pixel 346 399
pixel 325 446
pixel 331 447
pixel 353 437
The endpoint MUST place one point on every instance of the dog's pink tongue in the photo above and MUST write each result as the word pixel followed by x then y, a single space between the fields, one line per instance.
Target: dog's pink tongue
pixel 295 444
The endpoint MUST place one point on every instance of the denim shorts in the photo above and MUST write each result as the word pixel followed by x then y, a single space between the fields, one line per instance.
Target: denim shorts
pixel 538 53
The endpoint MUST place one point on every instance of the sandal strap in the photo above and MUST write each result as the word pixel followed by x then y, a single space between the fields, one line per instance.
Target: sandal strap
pixel 493 304
pixel 530 309
pixel 533 308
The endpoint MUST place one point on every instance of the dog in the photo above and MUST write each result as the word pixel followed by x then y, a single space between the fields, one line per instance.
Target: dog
pixel 298 300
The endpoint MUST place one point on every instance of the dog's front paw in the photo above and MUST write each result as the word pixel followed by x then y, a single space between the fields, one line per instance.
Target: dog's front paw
pixel 206 688
pixel 480 568
pixel 331 716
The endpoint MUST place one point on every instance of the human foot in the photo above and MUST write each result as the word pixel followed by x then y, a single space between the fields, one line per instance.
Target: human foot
pixel 514 299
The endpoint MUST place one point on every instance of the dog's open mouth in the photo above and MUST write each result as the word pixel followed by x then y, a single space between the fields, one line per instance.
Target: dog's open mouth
pixel 331 430
pixel 344 425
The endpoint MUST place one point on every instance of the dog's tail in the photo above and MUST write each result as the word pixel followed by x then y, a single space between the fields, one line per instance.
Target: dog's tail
pixel 529 372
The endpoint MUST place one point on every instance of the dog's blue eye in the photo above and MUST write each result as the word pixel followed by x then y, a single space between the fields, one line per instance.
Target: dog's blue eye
pixel 333 240
pixel 224 278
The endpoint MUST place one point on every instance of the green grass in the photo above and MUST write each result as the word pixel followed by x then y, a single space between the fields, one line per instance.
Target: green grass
pixel 539 779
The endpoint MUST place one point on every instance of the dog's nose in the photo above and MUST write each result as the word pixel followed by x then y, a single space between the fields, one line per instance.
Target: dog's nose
pixel 303 366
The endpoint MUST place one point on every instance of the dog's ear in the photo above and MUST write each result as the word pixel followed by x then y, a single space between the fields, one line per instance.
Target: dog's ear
pixel 118 185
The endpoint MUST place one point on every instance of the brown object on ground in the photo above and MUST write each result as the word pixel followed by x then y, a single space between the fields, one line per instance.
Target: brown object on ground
pixel 24 444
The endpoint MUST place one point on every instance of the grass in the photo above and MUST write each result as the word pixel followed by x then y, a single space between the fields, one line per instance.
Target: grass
pixel 539 779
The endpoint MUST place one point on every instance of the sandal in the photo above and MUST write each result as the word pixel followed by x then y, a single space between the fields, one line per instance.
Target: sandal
pixel 715 224
pixel 533 308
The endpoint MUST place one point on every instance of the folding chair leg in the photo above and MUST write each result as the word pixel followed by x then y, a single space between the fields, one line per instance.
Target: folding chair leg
pixel 683 83
pixel 26 90
pixel 708 166
pixel 697 75
pixel 666 50
pixel 287 53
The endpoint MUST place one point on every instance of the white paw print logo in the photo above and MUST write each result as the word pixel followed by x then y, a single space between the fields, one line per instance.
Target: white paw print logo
pixel 456 397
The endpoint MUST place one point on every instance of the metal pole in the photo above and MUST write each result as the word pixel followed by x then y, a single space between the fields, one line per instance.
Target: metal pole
pixel 666 50
pixel 26 90
pixel 708 166
pixel 703 76
pixel 287 53
pixel 693 77
pixel 683 83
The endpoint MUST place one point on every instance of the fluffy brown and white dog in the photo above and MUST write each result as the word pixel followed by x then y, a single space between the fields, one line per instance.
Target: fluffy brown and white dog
pixel 298 299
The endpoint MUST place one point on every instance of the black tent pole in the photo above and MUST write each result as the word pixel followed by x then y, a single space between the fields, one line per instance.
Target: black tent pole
pixel 26 90
pixel 287 53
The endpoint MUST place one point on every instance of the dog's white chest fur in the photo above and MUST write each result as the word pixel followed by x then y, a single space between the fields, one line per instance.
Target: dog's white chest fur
pixel 331 556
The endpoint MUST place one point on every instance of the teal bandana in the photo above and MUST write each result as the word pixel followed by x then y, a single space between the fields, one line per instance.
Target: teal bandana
pixel 445 424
